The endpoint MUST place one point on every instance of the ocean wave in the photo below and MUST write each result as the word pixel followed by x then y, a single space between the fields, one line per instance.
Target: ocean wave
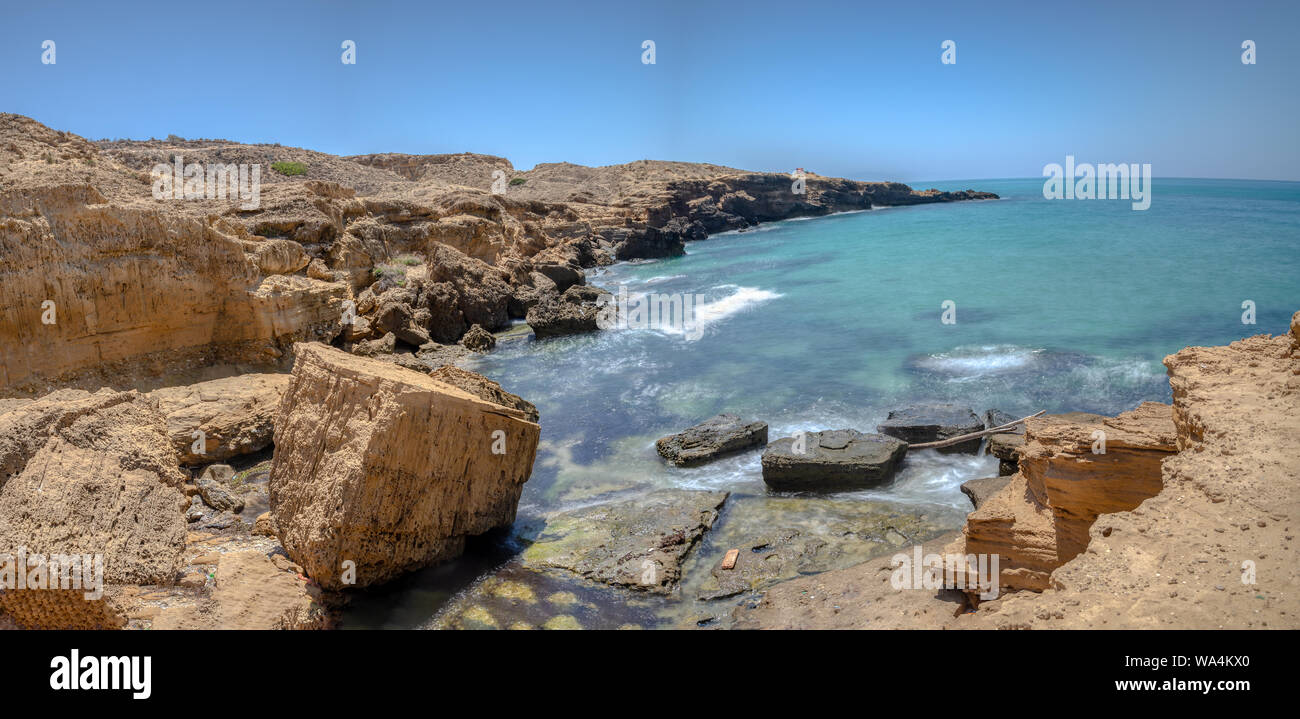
pixel 980 360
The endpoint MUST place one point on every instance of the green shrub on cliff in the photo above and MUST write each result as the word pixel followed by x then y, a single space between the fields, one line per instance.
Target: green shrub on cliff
pixel 289 169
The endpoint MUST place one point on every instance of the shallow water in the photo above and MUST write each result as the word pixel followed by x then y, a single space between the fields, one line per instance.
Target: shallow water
pixel 831 322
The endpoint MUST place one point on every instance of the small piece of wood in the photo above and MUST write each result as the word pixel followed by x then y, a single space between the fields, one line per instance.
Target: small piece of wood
pixel 966 437
pixel 729 561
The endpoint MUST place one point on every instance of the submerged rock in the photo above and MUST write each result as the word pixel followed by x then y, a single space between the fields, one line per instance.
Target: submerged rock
pixel 831 461
pixel 934 422
pixel 711 439
pixel 638 543
pixel 387 468
pixel 780 538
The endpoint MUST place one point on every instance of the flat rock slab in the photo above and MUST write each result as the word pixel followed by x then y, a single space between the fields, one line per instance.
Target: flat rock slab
pixel 713 438
pixel 831 461
pixel 638 543
pixel 781 538
pixel 932 423
pixel 979 490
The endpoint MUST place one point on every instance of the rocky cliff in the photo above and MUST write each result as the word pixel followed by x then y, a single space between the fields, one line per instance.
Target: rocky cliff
pixel 101 283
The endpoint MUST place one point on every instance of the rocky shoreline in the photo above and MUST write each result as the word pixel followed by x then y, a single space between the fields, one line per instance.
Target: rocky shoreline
pixel 271 395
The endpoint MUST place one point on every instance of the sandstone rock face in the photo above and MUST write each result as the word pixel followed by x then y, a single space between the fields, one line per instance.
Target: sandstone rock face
pixel 89 474
pixel 1041 519
pixel 233 413
pixel 387 468
pixel 979 490
pixel 932 423
pixel 485 389
pixel 831 461
pixel 714 437
pixel 637 544
pixel 125 287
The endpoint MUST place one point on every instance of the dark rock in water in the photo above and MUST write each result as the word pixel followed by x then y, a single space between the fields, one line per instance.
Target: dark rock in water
pixel 638 543
pixel 478 339
pixel 1005 446
pixel 710 439
pixel 212 487
pixel 573 312
pixel 934 422
pixel 997 418
pixel 979 490
pixel 831 461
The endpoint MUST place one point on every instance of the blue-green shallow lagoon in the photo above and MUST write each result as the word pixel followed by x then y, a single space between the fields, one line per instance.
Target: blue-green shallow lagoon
pixel 831 322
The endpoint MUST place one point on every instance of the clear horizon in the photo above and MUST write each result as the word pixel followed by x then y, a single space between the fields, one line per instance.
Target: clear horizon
pixel 845 90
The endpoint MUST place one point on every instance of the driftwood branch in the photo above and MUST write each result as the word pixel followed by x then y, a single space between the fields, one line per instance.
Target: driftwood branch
pixel 973 435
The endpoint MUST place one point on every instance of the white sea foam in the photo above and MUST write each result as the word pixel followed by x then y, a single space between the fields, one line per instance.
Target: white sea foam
pixel 978 361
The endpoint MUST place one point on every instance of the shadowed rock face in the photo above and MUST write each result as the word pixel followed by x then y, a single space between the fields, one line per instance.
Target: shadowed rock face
pixel 713 438
pixel 388 468
pixel 831 461
pixel 933 423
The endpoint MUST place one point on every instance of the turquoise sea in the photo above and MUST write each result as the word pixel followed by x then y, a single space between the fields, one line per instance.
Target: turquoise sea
pixel 831 322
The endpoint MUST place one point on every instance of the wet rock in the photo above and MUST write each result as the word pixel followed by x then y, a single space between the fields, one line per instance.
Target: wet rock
pixel 934 422
pixel 213 488
pixel 478 339
pixel 573 312
pixel 979 490
pixel 196 509
pixel 638 543
pixel 714 437
pixel 997 418
pixel 831 461
pixel 388 468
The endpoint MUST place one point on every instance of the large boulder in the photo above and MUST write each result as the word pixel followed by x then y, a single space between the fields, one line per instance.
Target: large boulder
pixel 388 469
pixel 932 423
pixel 233 414
pixel 573 312
pixel 831 460
pixel 89 475
pixel 714 437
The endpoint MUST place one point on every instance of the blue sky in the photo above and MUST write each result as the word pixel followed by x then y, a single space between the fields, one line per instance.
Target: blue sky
pixel 853 89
